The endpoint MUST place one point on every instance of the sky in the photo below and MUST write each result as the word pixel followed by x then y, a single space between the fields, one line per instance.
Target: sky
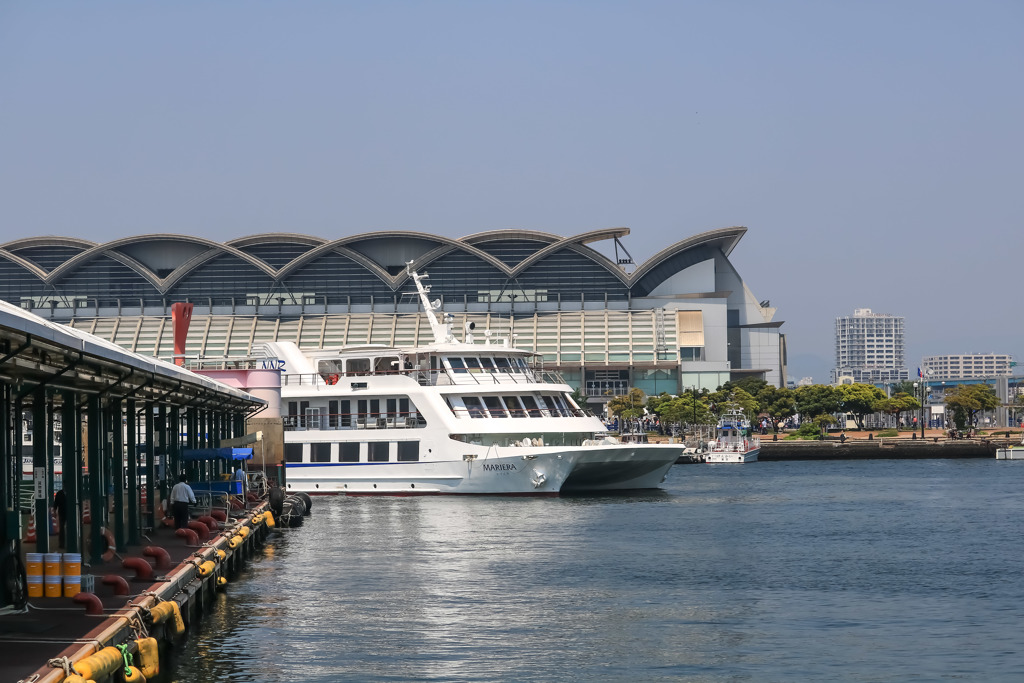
pixel 872 149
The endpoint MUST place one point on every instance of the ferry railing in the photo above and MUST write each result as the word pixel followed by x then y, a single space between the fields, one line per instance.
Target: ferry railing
pixel 423 377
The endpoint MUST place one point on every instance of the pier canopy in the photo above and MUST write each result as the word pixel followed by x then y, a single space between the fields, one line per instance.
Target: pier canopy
pixel 229 454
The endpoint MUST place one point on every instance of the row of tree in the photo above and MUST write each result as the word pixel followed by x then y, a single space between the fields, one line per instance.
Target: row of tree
pixel 818 403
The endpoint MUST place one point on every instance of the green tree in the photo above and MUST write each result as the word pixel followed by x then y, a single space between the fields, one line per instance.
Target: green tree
pixel 778 403
pixel 751 385
pixel 967 400
pixel 896 404
pixel 814 400
pixel 690 408
pixel 858 399
pixel 654 401
pixel 629 406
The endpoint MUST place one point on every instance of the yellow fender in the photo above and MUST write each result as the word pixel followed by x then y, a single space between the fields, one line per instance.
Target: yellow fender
pixel 169 610
pixel 206 568
pixel 221 555
pixel 101 664
pixel 269 518
pixel 75 678
pixel 221 582
pixel 149 657
pixel 243 532
pixel 133 675
pixel 235 541
pixel 257 519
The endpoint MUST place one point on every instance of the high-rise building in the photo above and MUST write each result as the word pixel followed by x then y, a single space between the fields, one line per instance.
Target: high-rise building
pixel 870 348
pixel 968 366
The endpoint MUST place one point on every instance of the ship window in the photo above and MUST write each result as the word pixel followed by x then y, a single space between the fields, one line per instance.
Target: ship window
pixel 457 364
pixel 514 407
pixel 493 404
pixel 358 366
pixel 473 364
pixel 474 406
pixel 531 406
pixel 346 414
pixel 348 451
pixel 408 451
pixel 320 452
pixel 501 363
pixel 386 364
pixel 293 452
pixel 332 414
pixel 378 451
pixel 487 363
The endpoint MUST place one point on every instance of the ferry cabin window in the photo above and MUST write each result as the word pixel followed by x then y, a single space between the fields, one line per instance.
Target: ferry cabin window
pixel 474 406
pixel 332 414
pixel 346 414
pixel 386 365
pixel 408 451
pixel 514 407
pixel 392 408
pixel 501 363
pixel 457 364
pixel 487 363
pixel 553 406
pixel 293 452
pixel 293 414
pixel 348 451
pixel 531 406
pixel 329 367
pixel 358 366
pixel 361 403
pixel 319 452
pixel 473 364
pixel 303 412
pixel 493 404
pixel 378 451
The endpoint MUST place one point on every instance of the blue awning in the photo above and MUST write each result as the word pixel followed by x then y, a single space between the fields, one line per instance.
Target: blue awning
pixel 216 454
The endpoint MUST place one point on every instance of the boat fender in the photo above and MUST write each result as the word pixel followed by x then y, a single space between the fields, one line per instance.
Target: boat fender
pixel 221 582
pixel 257 519
pixel 143 569
pixel 93 605
pixel 169 611
pixel 101 664
pixel 111 550
pixel 202 531
pixel 133 675
pixel 191 537
pixel 221 555
pixel 161 558
pixel 308 502
pixel 235 541
pixel 117 582
pixel 269 518
pixel 75 678
pixel 207 568
pixel 243 531
pixel 149 657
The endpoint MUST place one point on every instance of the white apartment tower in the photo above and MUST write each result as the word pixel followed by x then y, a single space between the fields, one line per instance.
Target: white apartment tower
pixel 870 348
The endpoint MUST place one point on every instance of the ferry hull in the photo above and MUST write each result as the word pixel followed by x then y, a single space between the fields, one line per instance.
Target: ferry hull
pixel 507 475
pixel 621 467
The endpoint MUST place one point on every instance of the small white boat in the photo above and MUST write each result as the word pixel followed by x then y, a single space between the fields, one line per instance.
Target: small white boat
pixel 731 443
pixel 1012 452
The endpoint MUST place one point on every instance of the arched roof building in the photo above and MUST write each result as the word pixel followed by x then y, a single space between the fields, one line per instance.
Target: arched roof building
pixel 682 318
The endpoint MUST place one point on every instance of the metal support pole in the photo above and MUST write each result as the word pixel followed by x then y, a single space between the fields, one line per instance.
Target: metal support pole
pixel 97 544
pixel 150 511
pixel 117 459
pixel 134 520
pixel 71 464
pixel 42 471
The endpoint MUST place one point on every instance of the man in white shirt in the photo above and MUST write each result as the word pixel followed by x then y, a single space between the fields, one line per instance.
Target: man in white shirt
pixel 181 496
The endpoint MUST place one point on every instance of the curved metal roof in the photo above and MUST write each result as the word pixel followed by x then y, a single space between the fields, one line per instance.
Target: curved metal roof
pixel 646 276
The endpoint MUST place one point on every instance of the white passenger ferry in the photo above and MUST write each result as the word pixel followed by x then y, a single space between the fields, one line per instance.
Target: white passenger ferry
pixel 733 441
pixel 448 417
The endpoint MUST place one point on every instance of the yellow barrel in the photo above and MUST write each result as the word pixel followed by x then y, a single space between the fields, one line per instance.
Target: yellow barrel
pixel 35 585
pixel 51 564
pixel 72 586
pixel 51 585
pixel 72 563
pixel 34 564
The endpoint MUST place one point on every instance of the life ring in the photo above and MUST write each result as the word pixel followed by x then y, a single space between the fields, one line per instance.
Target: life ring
pixel 111 550
pixel 332 379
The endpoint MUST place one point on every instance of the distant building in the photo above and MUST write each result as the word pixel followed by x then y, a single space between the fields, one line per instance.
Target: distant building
pixel 968 366
pixel 870 348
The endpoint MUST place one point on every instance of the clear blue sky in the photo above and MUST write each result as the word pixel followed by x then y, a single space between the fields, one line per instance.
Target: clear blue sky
pixel 873 149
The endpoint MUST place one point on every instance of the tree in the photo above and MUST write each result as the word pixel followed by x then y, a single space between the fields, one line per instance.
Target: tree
pixel 690 408
pixel 896 404
pixel 967 400
pixel 751 385
pixel 778 403
pixel 654 401
pixel 628 407
pixel 858 399
pixel 814 400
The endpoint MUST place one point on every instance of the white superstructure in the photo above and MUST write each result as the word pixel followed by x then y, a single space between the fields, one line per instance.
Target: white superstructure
pixel 733 441
pixel 447 417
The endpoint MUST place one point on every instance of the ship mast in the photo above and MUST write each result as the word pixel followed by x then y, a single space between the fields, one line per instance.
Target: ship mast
pixel 442 331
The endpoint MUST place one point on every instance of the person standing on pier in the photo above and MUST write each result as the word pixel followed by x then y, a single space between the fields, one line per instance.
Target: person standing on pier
pixel 181 496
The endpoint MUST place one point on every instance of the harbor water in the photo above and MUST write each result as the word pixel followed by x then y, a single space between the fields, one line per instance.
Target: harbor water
pixel 773 571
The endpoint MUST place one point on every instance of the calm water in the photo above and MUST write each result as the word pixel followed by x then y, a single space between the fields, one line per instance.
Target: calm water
pixel 809 571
